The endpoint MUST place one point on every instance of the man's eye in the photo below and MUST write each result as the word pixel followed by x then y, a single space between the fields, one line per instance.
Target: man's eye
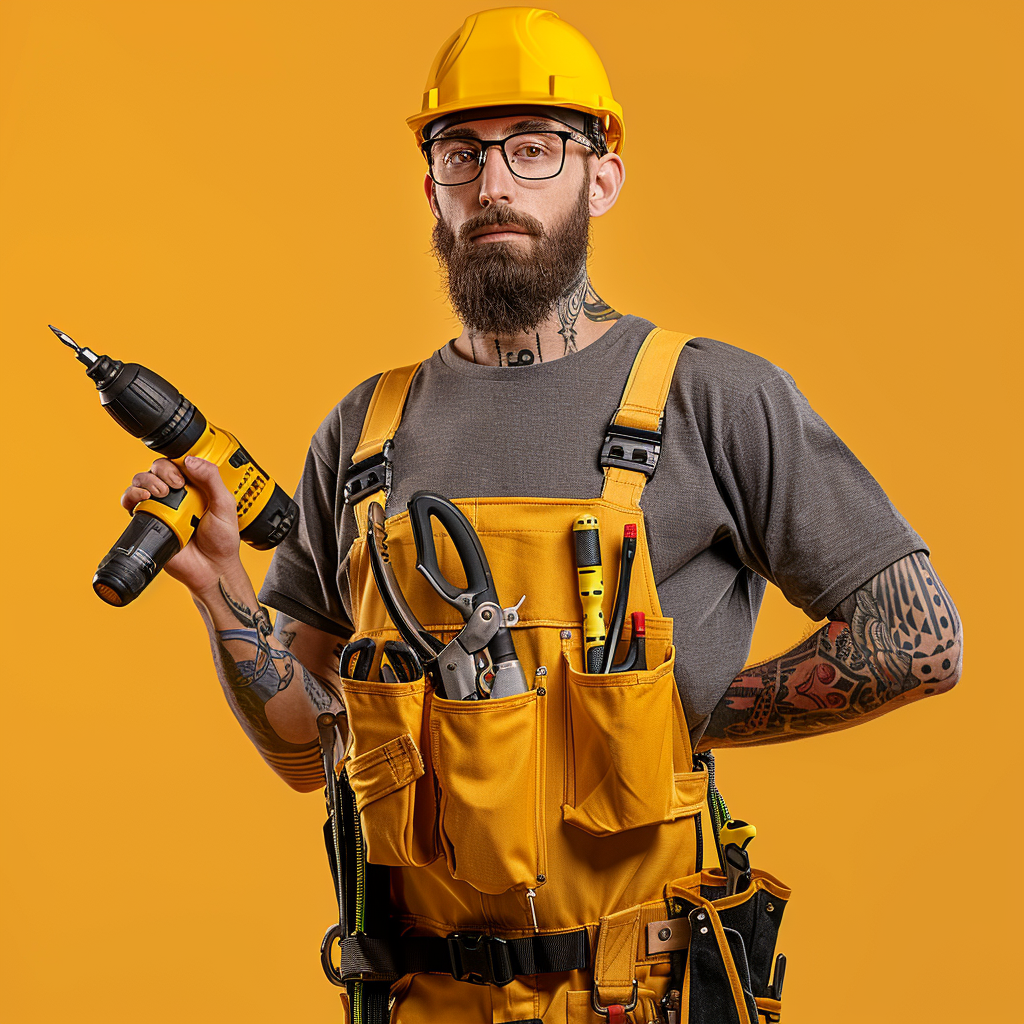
pixel 529 151
pixel 460 156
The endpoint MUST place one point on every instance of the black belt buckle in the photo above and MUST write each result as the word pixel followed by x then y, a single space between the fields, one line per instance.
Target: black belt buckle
pixel 631 448
pixel 480 959
pixel 369 476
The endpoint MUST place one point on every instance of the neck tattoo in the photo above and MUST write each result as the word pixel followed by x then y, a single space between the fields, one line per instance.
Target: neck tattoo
pixel 569 307
pixel 579 298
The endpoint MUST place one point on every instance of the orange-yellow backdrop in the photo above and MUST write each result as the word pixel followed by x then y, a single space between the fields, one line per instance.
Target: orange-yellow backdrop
pixel 226 192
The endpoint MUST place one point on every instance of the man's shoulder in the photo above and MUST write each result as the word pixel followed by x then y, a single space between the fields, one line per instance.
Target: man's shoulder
pixel 342 426
pixel 711 369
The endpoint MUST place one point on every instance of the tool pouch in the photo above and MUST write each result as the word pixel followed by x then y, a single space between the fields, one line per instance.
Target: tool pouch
pixel 728 966
pixel 488 757
pixel 389 772
pixel 627 757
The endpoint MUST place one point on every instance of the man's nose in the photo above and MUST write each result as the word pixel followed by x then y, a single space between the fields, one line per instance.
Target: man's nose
pixel 497 183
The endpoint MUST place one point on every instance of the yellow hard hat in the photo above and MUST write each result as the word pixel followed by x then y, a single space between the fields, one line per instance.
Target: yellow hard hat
pixel 514 57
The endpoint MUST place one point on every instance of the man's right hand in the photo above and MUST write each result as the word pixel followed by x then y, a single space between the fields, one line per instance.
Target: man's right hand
pixel 213 550
pixel 255 667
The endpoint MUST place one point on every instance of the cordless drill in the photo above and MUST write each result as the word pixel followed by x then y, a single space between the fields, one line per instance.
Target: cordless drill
pixel 150 408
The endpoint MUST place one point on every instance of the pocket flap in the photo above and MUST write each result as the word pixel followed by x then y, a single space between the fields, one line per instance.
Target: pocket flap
pixel 384 769
pixel 690 790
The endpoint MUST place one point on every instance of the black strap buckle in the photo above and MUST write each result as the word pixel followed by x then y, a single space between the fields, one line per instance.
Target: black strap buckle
pixel 631 448
pixel 479 958
pixel 370 475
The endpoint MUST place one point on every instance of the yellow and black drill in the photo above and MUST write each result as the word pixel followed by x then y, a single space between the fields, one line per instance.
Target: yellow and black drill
pixel 150 408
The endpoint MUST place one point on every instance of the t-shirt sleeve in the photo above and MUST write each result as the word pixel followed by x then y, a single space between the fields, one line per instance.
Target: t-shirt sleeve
pixel 309 571
pixel 810 518
pixel 303 577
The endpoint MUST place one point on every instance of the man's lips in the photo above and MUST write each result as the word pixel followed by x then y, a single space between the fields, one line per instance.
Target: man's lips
pixel 497 232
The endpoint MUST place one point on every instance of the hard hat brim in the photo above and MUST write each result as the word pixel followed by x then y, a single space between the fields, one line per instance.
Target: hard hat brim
pixel 611 115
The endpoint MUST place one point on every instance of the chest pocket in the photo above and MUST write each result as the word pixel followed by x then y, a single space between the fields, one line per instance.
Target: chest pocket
pixel 629 762
pixel 388 767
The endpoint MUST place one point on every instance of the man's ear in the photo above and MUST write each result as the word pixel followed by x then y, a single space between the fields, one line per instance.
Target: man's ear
pixel 606 184
pixel 428 187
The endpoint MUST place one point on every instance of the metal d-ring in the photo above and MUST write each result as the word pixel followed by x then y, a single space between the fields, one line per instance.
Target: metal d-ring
pixel 334 934
pixel 603 1010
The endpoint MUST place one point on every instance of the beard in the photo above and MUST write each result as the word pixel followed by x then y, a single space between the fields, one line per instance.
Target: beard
pixel 508 288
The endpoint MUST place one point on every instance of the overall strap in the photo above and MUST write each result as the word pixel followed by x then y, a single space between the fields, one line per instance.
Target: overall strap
pixel 370 471
pixel 633 441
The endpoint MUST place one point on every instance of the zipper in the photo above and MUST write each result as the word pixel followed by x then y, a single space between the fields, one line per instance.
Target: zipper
pixel 531 895
pixel 357 831
pixel 699 835
pixel 335 811
pixel 540 767
pixel 358 850
pixel 717 809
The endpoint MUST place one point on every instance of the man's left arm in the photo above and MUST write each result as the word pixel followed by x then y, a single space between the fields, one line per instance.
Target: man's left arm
pixel 894 640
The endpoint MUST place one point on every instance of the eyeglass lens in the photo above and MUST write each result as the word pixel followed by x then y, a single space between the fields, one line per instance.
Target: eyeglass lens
pixel 533 155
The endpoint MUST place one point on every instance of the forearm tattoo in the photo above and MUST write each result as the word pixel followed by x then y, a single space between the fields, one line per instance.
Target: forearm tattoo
pixel 901 641
pixel 252 672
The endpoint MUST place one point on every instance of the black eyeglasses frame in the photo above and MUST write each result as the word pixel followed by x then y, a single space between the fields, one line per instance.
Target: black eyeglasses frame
pixel 485 144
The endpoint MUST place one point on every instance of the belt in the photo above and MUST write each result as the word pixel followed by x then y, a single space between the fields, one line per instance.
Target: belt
pixel 475 957
pixel 632 936
pixel 483 959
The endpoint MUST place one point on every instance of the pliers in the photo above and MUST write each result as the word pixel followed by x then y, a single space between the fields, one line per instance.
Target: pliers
pixel 481 660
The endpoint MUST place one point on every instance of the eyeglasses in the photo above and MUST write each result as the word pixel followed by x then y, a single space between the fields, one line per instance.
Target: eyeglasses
pixel 532 156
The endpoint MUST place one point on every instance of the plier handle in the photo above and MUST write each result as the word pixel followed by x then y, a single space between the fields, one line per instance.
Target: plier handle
pixel 481 660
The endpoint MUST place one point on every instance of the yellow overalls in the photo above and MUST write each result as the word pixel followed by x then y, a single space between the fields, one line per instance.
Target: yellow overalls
pixel 579 796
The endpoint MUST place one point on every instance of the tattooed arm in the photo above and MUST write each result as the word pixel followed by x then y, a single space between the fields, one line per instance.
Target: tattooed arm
pixel 274 696
pixel 275 685
pixel 893 641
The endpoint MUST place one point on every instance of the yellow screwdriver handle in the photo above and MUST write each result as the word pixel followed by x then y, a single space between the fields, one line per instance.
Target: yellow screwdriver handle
pixel 587 538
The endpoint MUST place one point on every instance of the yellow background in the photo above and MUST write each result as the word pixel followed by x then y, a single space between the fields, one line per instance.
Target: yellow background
pixel 227 193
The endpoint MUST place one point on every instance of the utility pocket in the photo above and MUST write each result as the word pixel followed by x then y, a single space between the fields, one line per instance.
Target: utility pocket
pixel 729 965
pixel 488 758
pixel 627 762
pixel 386 769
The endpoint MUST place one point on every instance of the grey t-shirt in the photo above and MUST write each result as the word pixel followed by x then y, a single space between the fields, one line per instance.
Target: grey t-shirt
pixel 751 485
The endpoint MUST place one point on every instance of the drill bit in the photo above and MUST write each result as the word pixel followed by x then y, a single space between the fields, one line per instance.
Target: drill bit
pixel 84 355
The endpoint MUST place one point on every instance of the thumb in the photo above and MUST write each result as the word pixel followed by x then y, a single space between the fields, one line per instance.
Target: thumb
pixel 208 479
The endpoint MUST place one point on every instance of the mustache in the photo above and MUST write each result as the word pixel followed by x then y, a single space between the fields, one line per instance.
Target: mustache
pixel 500 215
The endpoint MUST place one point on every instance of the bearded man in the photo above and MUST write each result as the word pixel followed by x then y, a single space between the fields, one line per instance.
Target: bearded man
pixel 548 847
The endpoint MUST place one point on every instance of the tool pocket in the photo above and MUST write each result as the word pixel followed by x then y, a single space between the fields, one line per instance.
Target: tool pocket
pixel 488 758
pixel 626 742
pixel 728 973
pixel 386 769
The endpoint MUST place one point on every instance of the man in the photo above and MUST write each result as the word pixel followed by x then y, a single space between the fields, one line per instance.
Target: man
pixel 523 145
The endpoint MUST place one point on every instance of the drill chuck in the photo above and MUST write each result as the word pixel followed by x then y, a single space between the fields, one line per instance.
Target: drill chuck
pixel 153 410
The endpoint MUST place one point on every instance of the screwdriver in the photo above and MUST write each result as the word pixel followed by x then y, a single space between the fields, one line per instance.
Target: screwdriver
pixel 587 539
